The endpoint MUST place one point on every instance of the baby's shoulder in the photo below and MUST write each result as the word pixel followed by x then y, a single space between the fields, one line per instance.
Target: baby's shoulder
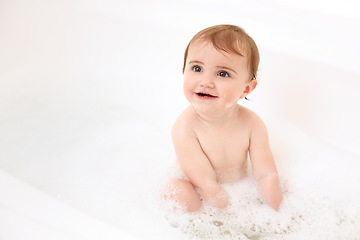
pixel 184 124
pixel 248 116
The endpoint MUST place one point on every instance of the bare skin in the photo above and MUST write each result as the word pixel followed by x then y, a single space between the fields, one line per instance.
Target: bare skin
pixel 213 136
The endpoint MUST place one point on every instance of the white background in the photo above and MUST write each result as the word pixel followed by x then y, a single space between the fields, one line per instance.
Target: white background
pixel 93 87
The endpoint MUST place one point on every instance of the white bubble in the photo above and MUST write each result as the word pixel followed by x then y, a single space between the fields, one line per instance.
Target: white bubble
pixel 304 214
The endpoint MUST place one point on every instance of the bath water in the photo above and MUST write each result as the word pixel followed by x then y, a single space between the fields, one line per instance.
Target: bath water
pixel 89 92
pixel 320 200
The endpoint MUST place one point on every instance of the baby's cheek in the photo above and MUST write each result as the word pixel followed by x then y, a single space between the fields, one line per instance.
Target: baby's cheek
pixel 187 91
pixel 230 100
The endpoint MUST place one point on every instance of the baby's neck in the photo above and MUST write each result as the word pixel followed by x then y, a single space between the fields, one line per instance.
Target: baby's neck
pixel 222 118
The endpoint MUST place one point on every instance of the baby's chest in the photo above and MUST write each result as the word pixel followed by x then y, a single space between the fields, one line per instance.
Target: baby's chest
pixel 225 149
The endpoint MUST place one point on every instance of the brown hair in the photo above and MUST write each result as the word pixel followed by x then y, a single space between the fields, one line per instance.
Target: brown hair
pixel 229 38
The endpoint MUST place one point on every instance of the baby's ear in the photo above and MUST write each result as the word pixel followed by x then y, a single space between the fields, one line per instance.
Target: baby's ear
pixel 251 85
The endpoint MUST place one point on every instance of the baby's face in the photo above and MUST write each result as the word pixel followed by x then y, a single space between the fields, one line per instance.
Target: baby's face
pixel 215 80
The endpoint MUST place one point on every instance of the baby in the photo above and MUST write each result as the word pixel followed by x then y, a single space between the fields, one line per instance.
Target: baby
pixel 213 136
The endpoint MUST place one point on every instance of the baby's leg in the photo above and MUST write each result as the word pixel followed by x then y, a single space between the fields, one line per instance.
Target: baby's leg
pixel 184 193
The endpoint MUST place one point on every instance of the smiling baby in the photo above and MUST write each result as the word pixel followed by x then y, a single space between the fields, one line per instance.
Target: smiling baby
pixel 214 135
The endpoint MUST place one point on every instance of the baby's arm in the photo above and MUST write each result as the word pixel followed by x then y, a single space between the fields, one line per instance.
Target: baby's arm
pixel 196 166
pixel 263 164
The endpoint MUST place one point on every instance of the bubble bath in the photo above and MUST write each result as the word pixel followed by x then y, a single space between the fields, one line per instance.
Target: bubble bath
pixel 311 209
pixel 89 93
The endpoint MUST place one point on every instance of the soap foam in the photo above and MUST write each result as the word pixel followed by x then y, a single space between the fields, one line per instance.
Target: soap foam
pixel 301 216
pixel 320 200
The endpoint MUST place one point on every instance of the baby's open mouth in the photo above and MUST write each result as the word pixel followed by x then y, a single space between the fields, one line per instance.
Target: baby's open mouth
pixel 201 94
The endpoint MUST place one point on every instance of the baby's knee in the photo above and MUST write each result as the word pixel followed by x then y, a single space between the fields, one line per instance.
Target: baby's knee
pixel 182 194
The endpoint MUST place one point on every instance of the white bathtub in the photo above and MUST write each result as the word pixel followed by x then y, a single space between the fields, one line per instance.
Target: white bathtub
pixel 89 92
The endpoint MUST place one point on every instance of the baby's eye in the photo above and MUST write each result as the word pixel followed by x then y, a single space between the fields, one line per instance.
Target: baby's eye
pixel 223 74
pixel 196 68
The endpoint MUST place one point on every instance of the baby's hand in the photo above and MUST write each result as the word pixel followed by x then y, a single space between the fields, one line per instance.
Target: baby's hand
pixel 214 196
pixel 270 189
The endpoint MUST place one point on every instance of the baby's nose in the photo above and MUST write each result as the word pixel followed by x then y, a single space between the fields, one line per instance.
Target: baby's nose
pixel 207 82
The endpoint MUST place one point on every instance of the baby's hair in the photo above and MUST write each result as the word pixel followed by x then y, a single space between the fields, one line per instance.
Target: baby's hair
pixel 230 38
